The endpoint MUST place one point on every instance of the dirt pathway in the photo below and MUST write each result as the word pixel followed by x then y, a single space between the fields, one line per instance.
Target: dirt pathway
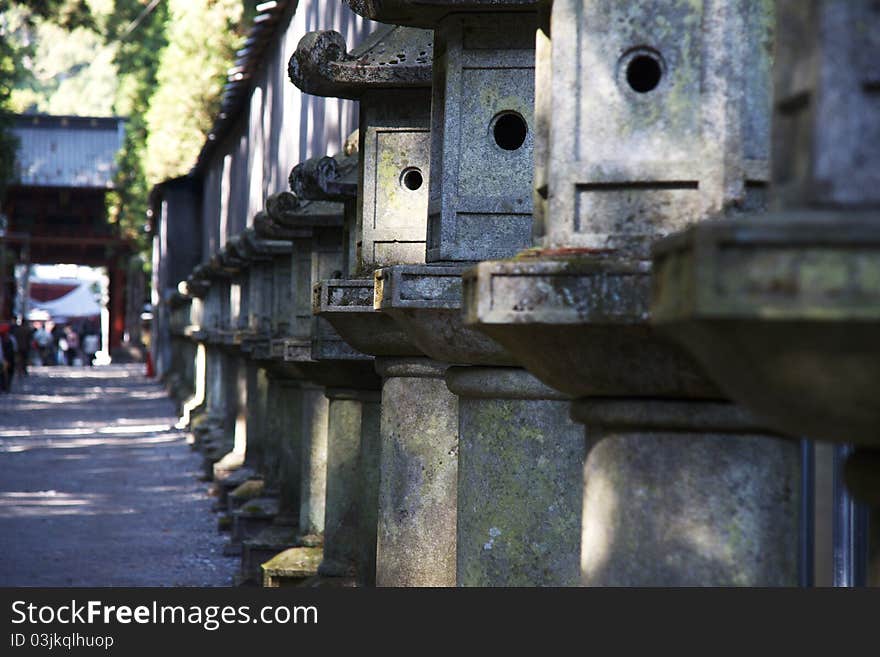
pixel 98 489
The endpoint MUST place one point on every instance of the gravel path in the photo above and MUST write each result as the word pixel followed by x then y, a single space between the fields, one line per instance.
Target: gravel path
pixel 97 488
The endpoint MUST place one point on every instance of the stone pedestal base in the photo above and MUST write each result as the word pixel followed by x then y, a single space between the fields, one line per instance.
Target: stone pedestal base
pixel 249 520
pixel 368 488
pixel 520 481
pixel 257 398
pixel 419 472
pixel 249 489
pixel 261 548
pixel 313 455
pixel 686 494
pixel 291 567
pixel 289 425
pixel 345 437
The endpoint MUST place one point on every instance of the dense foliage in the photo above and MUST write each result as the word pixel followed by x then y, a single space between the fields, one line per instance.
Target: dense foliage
pixel 171 78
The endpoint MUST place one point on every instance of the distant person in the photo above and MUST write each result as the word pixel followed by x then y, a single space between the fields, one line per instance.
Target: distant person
pixel 59 345
pixel 8 346
pixel 71 354
pixel 23 333
pixel 2 370
pixel 43 340
pixel 91 342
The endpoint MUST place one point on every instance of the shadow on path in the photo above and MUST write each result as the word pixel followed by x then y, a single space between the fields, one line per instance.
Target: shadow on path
pixel 97 488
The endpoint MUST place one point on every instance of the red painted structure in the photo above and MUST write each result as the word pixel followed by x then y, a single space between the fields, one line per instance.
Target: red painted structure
pixel 57 211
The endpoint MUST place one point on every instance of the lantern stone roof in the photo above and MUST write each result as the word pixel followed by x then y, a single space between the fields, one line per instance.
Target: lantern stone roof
pixel 289 217
pixel 326 178
pixel 391 57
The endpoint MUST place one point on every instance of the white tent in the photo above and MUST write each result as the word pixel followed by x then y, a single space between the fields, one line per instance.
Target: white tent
pixel 79 302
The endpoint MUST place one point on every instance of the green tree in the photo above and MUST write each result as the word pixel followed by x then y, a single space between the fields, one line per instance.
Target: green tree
pixel 8 141
pixel 140 34
pixel 69 72
pixel 203 36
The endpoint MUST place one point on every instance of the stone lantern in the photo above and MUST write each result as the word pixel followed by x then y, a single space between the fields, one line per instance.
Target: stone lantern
pixel 347 377
pixel 221 374
pixel 179 379
pixel 196 415
pixel 781 308
pixel 390 74
pixel 231 265
pixel 258 255
pixel 517 518
pixel 650 118
pixel 322 357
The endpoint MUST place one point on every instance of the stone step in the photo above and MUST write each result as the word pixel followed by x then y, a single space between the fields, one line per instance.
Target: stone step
pixel 249 489
pixel 261 548
pixel 254 516
pixel 291 567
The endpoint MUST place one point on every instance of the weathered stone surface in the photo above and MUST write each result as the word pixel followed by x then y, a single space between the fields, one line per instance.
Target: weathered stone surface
pixel 325 179
pixel 289 216
pixel 827 122
pixel 667 504
pixel 783 310
pixel 259 256
pixel 313 482
pixel 348 306
pixel 395 168
pixel 369 476
pixel 312 347
pixel 419 465
pixel 643 149
pixel 252 517
pixel 249 489
pixel 520 481
pixel 480 200
pixel 426 13
pixel 282 296
pixel 587 315
pixel 261 548
pixel 291 567
pixel 299 358
pixel 255 414
pixel 649 119
pixel 272 444
pixel 391 74
pixel 425 300
pixel 291 443
pixel 670 126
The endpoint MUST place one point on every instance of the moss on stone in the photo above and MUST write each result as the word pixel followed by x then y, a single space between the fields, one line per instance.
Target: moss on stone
pixel 249 489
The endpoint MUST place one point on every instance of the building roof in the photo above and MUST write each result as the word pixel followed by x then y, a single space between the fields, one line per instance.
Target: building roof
pixel 67 151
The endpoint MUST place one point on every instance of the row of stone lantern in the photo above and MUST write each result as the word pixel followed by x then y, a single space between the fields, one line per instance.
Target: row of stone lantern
pixel 397 348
